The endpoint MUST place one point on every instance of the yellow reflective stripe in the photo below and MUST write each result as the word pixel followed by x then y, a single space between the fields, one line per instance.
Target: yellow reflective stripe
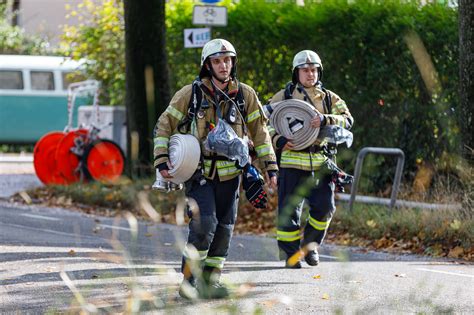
pixel 318 225
pixel 270 129
pixel 285 236
pixel 207 167
pixel 254 115
pixel 174 112
pixel 264 149
pixel 160 142
pixel 341 106
pixel 216 262
pixel 225 168
pixel 302 159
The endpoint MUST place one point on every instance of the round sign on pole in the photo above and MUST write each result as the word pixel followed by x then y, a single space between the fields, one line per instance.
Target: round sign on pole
pixel 210 1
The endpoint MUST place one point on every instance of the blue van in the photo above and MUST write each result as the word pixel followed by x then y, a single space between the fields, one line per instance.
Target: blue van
pixel 33 96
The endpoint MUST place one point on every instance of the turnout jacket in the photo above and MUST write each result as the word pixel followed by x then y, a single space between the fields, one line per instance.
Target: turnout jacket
pixel 254 122
pixel 338 114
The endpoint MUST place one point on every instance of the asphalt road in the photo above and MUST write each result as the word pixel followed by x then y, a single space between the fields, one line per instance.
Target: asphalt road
pixel 51 258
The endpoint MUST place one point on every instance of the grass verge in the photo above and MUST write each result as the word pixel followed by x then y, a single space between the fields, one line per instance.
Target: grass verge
pixel 427 232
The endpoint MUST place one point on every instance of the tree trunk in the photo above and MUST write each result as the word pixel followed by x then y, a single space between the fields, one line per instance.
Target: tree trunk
pixel 466 75
pixel 147 82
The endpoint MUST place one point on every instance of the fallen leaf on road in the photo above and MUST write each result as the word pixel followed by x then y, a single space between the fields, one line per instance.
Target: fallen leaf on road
pixel 325 296
pixel 318 276
pixel 269 303
pixel 72 252
pixel 148 234
pixel 243 289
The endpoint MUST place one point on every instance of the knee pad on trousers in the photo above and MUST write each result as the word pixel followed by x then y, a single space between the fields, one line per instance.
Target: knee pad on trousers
pixel 201 231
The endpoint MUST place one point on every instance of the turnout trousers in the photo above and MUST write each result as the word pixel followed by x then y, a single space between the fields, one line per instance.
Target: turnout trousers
pixel 211 225
pixel 294 187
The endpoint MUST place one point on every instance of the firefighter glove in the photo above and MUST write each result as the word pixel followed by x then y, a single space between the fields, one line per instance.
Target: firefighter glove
pixel 253 186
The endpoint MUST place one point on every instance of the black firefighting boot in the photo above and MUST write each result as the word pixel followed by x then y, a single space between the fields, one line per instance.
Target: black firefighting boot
pixel 210 287
pixel 312 257
pixel 191 270
pixel 188 289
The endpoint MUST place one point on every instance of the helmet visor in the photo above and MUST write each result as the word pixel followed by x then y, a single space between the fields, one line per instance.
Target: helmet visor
pixel 308 65
pixel 222 54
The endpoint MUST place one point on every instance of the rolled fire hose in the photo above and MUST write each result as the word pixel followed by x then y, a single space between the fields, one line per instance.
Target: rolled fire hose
pixel 292 119
pixel 184 154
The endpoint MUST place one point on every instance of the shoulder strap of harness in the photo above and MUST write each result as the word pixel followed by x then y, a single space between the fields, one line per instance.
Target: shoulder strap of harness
pixel 193 106
pixel 241 101
pixel 289 88
pixel 327 102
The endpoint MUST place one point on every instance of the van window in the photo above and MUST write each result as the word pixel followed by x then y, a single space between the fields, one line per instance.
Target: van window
pixel 71 77
pixel 11 80
pixel 42 80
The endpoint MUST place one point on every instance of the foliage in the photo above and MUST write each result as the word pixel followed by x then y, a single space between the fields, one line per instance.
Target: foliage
pixel 439 233
pixel 365 55
pixel 99 38
pixel 14 40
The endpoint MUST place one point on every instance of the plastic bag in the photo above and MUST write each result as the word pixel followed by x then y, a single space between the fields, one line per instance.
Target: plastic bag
pixel 224 141
pixel 335 134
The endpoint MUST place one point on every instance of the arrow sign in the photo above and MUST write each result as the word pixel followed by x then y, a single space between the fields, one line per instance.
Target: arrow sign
pixel 196 37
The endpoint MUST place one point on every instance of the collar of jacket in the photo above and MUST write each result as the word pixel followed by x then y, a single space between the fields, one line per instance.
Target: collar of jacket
pixel 232 88
pixel 313 91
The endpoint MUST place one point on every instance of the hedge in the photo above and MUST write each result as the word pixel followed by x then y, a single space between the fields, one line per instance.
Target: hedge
pixel 366 61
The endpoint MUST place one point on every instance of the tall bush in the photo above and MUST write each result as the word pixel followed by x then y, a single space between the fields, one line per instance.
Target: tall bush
pixel 99 38
pixel 14 40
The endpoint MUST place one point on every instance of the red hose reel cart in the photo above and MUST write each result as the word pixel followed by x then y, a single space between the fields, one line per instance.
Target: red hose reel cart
pixel 78 154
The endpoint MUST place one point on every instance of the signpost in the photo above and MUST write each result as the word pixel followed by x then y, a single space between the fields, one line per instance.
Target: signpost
pixel 209 15
pixel 196 37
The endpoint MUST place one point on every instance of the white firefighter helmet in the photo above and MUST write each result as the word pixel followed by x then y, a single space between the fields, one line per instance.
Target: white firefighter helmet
pixel 305 58
pixel 216 48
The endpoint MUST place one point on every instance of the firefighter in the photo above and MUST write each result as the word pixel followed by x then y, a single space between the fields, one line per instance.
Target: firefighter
pixel 296 166
pixel 196 109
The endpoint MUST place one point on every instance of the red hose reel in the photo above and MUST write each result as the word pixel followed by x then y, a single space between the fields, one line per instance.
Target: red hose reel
pixel 75 155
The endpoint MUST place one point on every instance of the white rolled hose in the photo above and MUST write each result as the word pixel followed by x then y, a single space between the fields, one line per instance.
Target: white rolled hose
pixel 184 154
pixel 292 119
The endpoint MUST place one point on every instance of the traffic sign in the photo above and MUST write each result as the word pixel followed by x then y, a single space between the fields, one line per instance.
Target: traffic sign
pixel 196 37
pixel 209 15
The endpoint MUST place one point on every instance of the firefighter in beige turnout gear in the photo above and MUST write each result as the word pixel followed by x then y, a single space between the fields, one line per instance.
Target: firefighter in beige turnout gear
pixel 297 166
pixel 196 109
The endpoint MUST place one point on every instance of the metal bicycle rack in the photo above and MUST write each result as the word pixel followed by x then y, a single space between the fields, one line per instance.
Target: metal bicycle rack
pixel 398 173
